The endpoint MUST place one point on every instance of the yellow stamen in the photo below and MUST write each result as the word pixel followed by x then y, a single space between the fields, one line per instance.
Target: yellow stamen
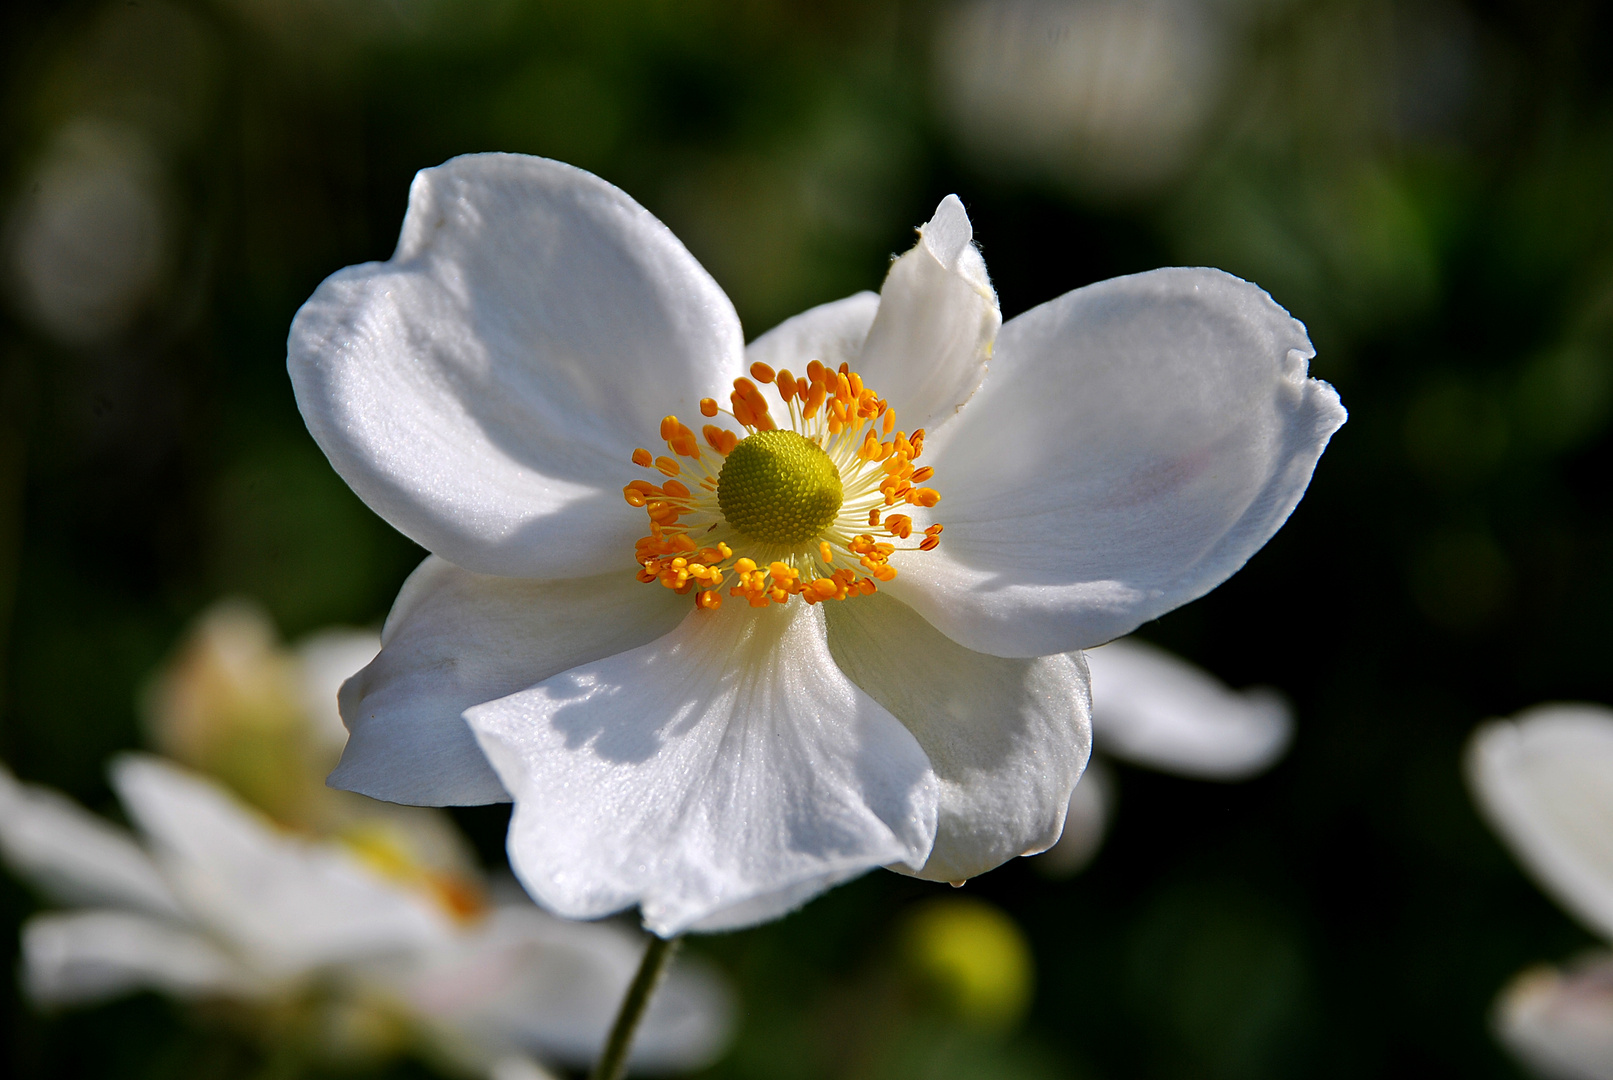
pixel 801 512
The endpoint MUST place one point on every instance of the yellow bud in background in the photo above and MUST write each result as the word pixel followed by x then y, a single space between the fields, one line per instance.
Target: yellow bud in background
pixel 974 956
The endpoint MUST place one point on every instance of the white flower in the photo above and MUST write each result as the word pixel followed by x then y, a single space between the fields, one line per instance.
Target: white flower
pixel 219 903
pixel 490 389
pixel 1156 710
pixel 1545 783
pixel 1110 94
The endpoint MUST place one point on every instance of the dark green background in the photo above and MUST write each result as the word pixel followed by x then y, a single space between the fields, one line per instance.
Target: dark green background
pixel 1444 227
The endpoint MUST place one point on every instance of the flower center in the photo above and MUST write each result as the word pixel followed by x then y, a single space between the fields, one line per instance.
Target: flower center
pixel 802 510
pixel 779 488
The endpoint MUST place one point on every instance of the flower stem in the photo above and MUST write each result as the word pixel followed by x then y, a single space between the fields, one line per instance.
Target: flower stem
pixel 613 1059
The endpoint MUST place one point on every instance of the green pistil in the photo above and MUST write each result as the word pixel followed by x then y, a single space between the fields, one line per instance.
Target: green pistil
pixel 779 488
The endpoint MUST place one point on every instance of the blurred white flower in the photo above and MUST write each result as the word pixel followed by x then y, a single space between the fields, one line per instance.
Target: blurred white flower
pixel 88 239
pixel 824 685
pixel 1109 94
pixel 217 902
pixel 235 703
pixel 1544 781
pixel 1156 710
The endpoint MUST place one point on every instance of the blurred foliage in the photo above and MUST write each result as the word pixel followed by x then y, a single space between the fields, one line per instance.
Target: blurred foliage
pixel 1423 182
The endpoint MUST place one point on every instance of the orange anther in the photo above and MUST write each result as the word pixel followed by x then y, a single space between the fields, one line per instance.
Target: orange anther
pixel 814 400
pixel 826 587
pixel 708 406
pixel 634 498
pixel 642 457
pixel 873 518
pixel 934 530
pixel 885 572
pixel 675 489
pixel 825 552
pixel 761 372
pixel 843 387
pixel 707 601
pixel 899 525
pixel 668 466
pixel 889 424
pixel 814 372
pixel 929 543
pixel 845 368
pixel 718 439
pixel 921 475
pixel 742 410
pixel 866 586
pixel 786 384
pixel 856 382
pixel 924 497
pixel 669 426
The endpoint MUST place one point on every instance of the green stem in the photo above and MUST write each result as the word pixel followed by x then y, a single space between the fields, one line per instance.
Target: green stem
pixel 613 1060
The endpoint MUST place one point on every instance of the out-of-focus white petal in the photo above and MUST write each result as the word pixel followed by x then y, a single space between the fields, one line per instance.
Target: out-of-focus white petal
pixel 832 334
pixel 1154 709
pixel 526 979
pixel 1007 738
pixel 1560 1023
pixel 1545 783
pixel 484 389
pixel 726 766
pixel 289 904
pixel 1092 805
pixel 927 349
pixel 74 855
pixel 328 659
pixel 518 1067
pixel 456 639
pixel 1136 441
pixel 89 956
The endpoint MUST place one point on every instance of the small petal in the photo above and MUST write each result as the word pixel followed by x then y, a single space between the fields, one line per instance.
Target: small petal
pixel 1007 738
pixel 327 659
pixel 832 334
pixel 456 639
pixel 1092 807
pixel 91 956
pixel 289 904
pixel 1153 709
pixel 717 776
pixel 1545 783
pixel 483 390
pixel 927 350
pixel 1560 1023
pixel 524 979
pixel 75 856
pixel 1136 442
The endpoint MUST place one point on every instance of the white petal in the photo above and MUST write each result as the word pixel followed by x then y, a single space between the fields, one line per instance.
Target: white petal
pixel 832 334
pixel 1154 709
pixel 1136 442
pixel 524 979
pixel 725 764
pixel 1007 738
pixel 1560 1023
pixel 927 350
pixel 1545 782
pixel 75 856
pixel 328 659
pixel 483 390
pixel 1092 807
pixel 518 1067
pixel 88 956
pixel 456 639
pixel 291 905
